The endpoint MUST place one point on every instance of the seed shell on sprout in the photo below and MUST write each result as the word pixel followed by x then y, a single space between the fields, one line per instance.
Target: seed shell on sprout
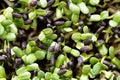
pixel 61 72
pixel 50 14
pixel 58 23
pixel 8 53
pixel 52 61
pixel 85 48
pixel 33 2
pixel 27 22
pixel 17 62
pixel 80 61
pixel 60 39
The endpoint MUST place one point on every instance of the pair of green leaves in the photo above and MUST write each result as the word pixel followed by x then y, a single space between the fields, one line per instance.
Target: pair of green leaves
pixel 77 8
pixel 30 54
pixel 85 36
pixel 94 2
pixel 8 29
pixel 73 52
pixel 103 51
pixel 85 72
pixel 96 69
pixel 47 34
pixel 116 19
pixel 96 17
pixel 38 12
pixel 31 58
pixel 60 10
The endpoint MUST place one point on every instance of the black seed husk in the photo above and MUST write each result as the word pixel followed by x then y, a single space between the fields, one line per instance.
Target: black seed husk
pixel 2 58
pixel 25 17
pixel 80 28
pixel 58 23
pixel 61 72
pixel 50 3
pixel 27 22
pixel 60 39
pixel 98 55
pixel 85 48
pixel 70 64
pixel 57 47
pixel 50 14
pixel 42 46
pixel 87 42
pixel 63 67
pixel 51 48
pixel 80 61
pixel 17 15
pixel 33 2
pixel 8 53
pixel 52 61
pixel 17 62
pixel 49 25
pixel 100 29
pixel 42 18
pixel 24 43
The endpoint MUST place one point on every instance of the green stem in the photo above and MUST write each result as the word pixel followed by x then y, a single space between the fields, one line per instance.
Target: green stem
pixel 8 3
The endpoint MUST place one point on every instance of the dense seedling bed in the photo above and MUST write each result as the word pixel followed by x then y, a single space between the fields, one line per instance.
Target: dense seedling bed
pixel 59 39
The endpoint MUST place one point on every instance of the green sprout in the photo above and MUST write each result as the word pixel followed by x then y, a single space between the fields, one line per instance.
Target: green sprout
pixel 43 3
pixel 74 8
pixel 83 8
pixel 95 17
pixel 18 52
pixel 60 60
pixel 2 72
pixel 94 2
pixel 103 50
